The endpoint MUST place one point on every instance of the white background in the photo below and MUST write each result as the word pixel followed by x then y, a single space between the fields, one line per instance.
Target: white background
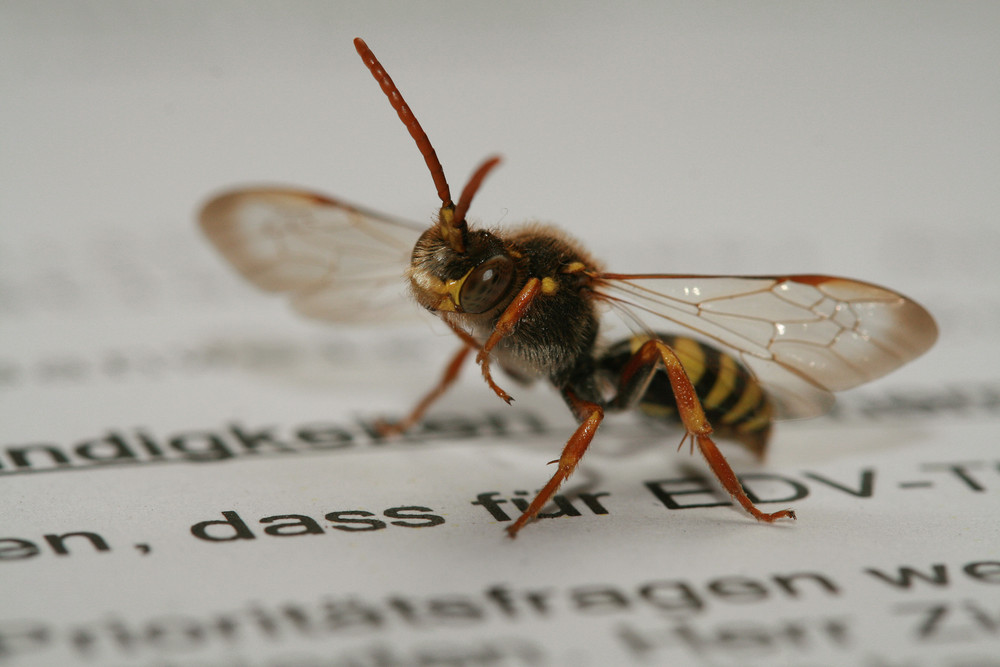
pixel 855 139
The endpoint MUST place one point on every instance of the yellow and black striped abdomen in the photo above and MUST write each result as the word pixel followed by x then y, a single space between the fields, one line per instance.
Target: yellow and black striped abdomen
pixel 734 402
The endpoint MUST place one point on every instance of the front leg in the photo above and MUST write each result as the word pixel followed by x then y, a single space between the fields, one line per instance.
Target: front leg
pixel 451 371
pixel 505 324
pixel 447 379
pixel 508 320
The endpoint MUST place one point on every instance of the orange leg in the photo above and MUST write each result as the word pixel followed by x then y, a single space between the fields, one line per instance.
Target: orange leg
pixel 634 380
pixel 508 320
pixel 447 379
pixel 591 416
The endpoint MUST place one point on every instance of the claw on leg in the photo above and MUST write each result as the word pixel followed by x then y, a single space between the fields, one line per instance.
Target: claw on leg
pixel 571 455
pixel 728 479
pixel 483 360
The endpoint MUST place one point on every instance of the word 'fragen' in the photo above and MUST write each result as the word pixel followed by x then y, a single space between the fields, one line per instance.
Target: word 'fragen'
pixel 355 615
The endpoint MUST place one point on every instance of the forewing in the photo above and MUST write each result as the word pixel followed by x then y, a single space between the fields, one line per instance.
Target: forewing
pixel 803 336
pixel 337 262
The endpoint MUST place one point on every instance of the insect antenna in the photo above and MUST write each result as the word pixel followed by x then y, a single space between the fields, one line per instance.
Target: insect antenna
pixel 409 120
pixel 470 189
pixel 453 227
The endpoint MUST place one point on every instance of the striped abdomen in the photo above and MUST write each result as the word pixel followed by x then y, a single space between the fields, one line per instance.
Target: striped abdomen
pixel 735 404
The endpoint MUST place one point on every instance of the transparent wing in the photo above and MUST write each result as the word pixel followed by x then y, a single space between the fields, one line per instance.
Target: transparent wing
pixel 336 261
pixel 803 336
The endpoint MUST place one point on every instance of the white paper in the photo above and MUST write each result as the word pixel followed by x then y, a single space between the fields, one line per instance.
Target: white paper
pixel 190 474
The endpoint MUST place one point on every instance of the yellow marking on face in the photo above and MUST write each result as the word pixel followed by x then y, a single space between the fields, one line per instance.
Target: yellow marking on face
pixel 449 292
pixel 446 292
pixel 725 381
pixel 574 267
pixel 549 286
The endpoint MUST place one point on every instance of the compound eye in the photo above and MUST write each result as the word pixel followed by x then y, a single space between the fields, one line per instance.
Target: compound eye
pixel 486 285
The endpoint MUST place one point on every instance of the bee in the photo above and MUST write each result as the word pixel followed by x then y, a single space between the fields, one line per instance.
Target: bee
pixel 528 300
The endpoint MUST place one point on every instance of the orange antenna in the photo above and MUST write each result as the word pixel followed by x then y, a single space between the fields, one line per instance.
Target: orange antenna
pixel 451 220
pixel 470 189
pixel 409 120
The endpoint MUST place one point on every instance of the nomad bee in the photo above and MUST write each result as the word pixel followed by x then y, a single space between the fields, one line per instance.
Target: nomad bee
pixel 527 299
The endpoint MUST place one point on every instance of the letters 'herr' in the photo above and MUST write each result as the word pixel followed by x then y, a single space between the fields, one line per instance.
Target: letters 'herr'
pixel 527 298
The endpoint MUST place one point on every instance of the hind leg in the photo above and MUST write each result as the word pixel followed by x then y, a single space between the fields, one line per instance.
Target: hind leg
pixel 635 378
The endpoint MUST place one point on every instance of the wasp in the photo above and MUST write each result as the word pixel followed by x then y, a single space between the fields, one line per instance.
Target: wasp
pixel 529 301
